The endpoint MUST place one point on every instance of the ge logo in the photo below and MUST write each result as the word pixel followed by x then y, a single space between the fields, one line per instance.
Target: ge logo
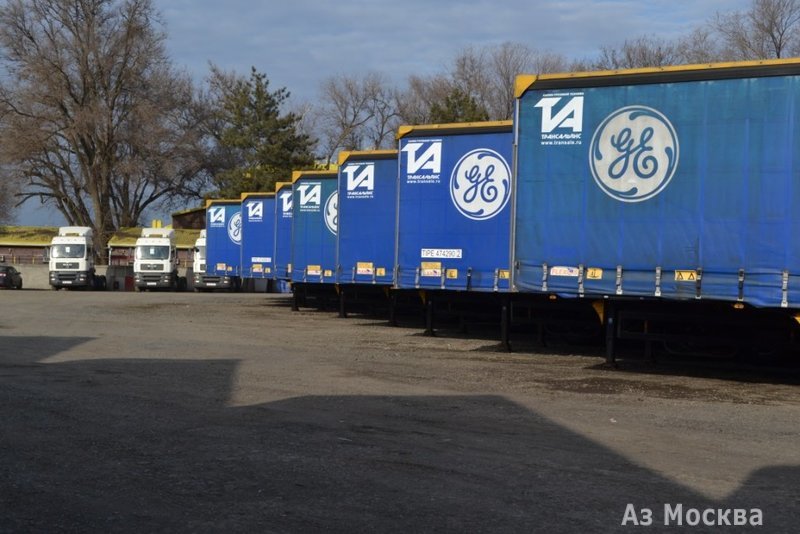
pixel 634 154
pixel 235 228
pixel 480 184
pixel 332 212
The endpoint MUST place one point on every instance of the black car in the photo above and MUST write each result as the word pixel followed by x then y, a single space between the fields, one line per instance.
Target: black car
pixel 10 277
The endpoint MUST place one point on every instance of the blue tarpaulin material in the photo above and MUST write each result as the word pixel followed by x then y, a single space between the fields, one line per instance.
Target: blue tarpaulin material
pixel 258 235
pixel 453 228
pixel 367 217
pixel 314 226
pixel 671 189
pixel 223 238
pixel 282 257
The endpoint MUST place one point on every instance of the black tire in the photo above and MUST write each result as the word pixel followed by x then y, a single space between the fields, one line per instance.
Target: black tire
pixel 182 283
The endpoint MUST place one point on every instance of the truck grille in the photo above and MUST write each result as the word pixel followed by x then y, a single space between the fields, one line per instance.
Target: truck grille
pixel 66 265
pixel 67 277
pixel 150 277
pixel 151 267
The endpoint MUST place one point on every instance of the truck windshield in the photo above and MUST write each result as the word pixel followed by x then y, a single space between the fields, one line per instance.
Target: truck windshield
pixel 68 251
pixel 152 252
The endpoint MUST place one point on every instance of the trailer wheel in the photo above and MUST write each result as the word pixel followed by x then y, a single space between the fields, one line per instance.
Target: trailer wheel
pixel 182 284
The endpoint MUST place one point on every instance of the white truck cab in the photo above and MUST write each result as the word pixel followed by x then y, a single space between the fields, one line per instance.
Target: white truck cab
pixel 72 259
pixel 199 260
pixel 155 260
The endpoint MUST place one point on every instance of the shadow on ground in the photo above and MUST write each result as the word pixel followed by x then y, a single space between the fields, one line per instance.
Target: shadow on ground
pixel 151 445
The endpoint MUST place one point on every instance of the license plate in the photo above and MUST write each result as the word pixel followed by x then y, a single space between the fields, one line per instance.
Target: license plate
pixel 67 282
pixel 211 284
pixel 151 283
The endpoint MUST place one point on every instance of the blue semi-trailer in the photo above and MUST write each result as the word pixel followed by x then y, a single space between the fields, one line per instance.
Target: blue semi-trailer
pixel 223 247
pixel 665 185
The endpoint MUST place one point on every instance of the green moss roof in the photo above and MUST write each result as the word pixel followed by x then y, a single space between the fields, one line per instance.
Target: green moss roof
pixel 27 236
pixel 126 237
pixel 40 236
pixel 189 210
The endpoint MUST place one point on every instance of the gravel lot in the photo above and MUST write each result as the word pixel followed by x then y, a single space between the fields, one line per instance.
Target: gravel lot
pixel 229 413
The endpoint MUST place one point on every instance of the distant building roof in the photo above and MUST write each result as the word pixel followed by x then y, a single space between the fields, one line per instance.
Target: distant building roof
pixel 27 236
pixel 126 237
pixel 190 210
pixel 40 236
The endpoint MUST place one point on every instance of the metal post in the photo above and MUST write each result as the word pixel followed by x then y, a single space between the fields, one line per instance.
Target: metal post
pixel 610 320
pixel 429 316
pixel 342 305
pixel 505 320
pixel 393 308
pixel 295 298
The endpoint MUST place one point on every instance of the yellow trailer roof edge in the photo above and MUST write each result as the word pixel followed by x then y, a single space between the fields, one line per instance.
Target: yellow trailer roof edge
pixel 256 193
pixel 364 154
pixel 525 82
pixel 296 175
pixel 281 185
pixel 407 129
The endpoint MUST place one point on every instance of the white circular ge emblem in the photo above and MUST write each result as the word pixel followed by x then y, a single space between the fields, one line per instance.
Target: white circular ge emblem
pixel 235 228
pixel 634 154
pixel 332 212
pixel 480 184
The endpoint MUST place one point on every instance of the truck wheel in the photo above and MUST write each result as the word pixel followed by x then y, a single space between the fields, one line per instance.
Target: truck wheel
pixel 102 283
pixel 182 284
pixel 139 289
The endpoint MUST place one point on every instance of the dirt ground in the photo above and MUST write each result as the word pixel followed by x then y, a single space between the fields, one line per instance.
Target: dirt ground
pixel 165 412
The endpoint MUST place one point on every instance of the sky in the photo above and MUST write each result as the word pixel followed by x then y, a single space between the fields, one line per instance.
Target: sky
pixel 300 43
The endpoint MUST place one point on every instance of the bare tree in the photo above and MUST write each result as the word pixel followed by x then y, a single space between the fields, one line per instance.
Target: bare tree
pixel 92 115
pixel 358 113
pixel 483 75
pixel 381 128
pixel 699 46
pixel 7 189
pixel 768 29
pixel 505 62
pixel 637 53
pixel 470 74
pixel 414 104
